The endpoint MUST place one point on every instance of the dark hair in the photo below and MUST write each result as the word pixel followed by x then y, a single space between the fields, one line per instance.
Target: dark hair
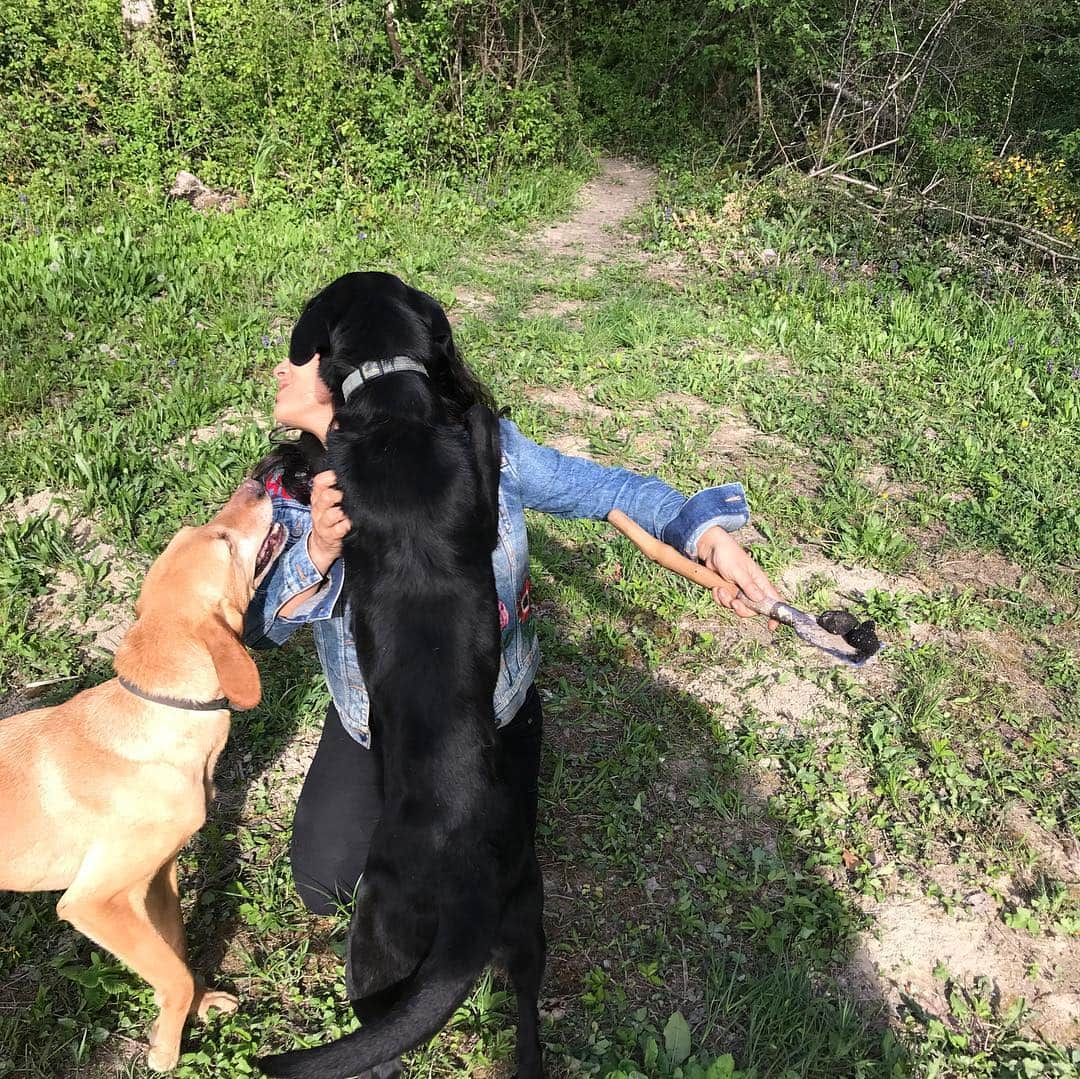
pixel 368 316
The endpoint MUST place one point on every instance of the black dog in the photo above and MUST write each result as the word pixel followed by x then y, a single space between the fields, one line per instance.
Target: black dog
pixel 451 882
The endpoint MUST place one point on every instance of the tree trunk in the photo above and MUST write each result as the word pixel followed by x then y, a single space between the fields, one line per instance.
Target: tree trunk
pixel 137 14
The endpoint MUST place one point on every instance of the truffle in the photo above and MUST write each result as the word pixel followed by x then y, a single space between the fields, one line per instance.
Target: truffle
pixel 863 638
pixel 839 622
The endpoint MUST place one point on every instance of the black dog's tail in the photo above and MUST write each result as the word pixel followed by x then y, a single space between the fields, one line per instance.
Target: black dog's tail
pixel 433 993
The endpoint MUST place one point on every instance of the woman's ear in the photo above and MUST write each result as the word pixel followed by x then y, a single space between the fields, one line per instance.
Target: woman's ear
pixel 236 670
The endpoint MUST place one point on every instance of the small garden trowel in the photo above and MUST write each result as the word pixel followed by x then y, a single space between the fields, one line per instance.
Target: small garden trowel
pixel 838 633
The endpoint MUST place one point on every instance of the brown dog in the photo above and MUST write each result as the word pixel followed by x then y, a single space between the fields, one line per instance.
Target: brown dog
pixel 99 795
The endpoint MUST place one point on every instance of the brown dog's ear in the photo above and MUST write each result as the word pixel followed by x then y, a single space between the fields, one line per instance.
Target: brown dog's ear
pixel 236 670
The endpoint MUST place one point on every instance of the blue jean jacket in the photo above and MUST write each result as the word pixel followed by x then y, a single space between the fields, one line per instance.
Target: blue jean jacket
pixel 533 477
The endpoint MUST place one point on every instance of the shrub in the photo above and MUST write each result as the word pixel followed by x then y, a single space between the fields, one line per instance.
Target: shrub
pixel 255 94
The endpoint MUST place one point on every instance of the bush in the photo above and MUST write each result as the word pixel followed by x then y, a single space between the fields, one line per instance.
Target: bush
pixel 258 94
pixel 893 99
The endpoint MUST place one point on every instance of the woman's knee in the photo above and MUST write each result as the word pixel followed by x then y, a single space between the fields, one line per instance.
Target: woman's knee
pixel 326 862
pixel 338 810
pixel 315 895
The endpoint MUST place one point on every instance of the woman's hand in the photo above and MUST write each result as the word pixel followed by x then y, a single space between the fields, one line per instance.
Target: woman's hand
pixel 724 556
pixel 329 526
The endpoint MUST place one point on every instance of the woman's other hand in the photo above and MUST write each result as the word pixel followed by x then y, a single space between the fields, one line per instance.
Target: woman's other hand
pixel 329 526
pixel 721 553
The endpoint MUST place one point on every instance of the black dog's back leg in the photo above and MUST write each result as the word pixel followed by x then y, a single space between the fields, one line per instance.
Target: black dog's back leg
pixel 525 976
pixel 523 949
pixel 373 1007
pixel 379 959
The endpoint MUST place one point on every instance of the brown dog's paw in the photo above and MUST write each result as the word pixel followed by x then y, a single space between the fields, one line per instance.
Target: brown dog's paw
pixel 163 1058
pixel 205 999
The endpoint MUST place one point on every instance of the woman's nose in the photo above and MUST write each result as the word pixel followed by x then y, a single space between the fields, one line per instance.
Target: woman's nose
pixel 279 369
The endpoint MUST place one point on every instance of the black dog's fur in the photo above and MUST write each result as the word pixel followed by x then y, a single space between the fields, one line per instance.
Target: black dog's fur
pixel 452 880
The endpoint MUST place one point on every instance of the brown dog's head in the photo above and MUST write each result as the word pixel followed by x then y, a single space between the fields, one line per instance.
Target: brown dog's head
pixel 186 639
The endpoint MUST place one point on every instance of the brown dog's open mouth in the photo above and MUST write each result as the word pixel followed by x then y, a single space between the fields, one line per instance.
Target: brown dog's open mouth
pixel 270 549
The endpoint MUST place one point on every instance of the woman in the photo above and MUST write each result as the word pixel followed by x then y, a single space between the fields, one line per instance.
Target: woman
pixel 341 799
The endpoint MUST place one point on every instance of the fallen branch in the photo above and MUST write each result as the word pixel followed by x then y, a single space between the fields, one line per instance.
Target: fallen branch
pixel 1025 234
pixel 845 92
pixel 851 157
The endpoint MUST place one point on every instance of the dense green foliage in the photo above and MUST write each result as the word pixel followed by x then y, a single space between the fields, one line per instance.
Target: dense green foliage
pixel 265 94
pixel 974 104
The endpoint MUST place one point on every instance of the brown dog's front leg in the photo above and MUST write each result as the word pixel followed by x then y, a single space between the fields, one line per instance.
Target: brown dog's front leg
pixel 120 922
pixel 163 907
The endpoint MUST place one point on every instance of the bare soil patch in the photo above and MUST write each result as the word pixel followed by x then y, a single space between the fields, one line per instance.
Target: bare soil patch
pixel 688 401
pixel 563 309
pixel 651 447
pixel 773 361
pixel 472 300
pixel 1002 656
pixel 669 270
pixel 620 189
pixel 566 399
pixel 731 438
pixel 572 445
pixel 912 936
pixel 782 700
pixel 230 422
pixel 1059 856
pixel 41 504
pixel 982 570
pixel 55 607
pixel 881 483
pixel 853 581
pixel 734 444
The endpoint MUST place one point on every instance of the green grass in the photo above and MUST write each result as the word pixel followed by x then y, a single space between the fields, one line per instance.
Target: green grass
pixel 712 863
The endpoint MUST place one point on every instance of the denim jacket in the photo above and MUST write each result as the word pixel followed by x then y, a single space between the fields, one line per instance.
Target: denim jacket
pixel 533 477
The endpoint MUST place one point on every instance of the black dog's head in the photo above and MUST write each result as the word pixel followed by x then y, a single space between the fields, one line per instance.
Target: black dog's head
pixel 375 316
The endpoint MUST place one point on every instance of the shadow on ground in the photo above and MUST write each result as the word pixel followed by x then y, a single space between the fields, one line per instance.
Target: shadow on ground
pixel 674 883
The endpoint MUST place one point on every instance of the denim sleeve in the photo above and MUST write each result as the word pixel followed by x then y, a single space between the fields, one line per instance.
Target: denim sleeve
pixel 567 486
pixel 292 573
pixel 724 506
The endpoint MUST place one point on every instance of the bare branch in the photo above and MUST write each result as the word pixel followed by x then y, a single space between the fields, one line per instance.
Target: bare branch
pixel 1025 234
pixel 399 54
pixel 851 157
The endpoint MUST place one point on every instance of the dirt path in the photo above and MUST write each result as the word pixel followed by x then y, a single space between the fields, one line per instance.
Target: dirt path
pixel 593 233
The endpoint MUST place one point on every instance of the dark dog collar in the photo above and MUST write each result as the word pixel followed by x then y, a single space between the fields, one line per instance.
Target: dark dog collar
pixel 374 368
pixel 176 702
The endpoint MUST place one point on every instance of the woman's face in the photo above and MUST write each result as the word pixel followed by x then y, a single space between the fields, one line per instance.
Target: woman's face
pixel 303 399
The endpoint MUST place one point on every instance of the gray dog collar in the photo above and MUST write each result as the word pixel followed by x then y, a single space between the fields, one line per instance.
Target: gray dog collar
pixel 374 368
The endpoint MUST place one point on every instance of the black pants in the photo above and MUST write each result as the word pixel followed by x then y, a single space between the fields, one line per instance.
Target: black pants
pixel 342 798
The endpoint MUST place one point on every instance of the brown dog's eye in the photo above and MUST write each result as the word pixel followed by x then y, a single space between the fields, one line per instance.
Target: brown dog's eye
pixel 227 538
